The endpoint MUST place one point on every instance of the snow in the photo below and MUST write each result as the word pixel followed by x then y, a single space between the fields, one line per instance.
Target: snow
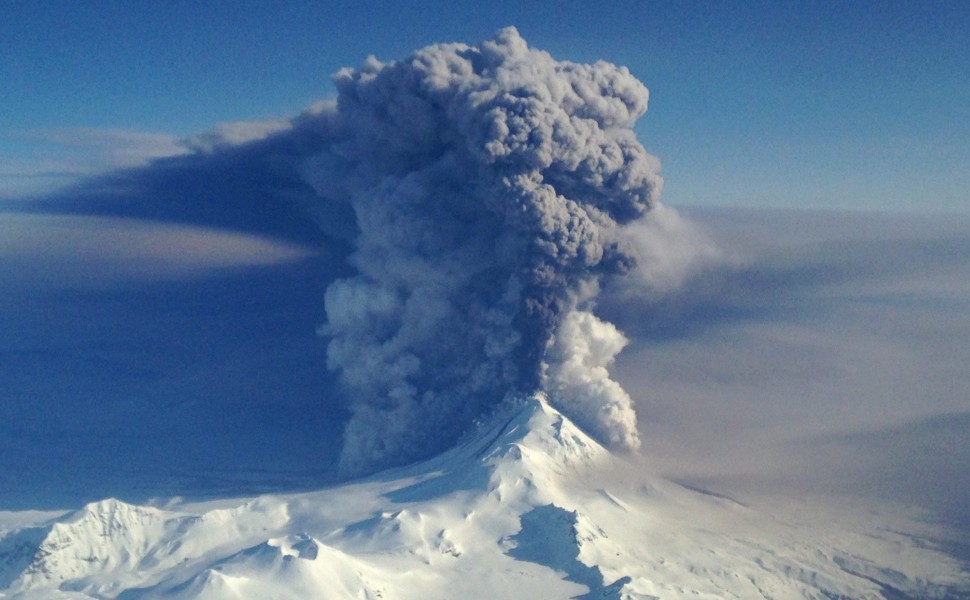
pixel 528 506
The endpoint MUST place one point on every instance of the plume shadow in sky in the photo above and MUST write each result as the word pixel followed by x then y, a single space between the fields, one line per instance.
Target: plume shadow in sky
pixel 251 188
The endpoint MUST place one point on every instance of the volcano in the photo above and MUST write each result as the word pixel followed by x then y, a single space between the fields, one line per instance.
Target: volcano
pixel 527 506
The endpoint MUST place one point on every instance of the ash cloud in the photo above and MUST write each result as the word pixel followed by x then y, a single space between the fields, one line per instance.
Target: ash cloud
pixel 477 199
pixel 490 185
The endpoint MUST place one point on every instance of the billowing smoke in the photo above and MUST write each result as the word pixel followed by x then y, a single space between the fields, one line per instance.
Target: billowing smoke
pixel 489 186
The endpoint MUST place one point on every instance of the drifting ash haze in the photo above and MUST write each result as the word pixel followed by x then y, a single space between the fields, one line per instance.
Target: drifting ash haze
pixel 484 196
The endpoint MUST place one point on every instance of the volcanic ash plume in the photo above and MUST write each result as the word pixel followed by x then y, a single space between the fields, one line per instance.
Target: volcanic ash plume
pixel 489 186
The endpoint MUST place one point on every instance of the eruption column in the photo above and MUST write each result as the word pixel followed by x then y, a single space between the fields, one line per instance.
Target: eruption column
pixel 488 186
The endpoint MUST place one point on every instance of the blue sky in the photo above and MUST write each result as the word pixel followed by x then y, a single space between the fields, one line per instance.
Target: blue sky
pixel 862 105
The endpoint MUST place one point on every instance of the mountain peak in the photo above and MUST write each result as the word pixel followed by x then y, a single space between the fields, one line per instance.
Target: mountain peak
pixel 539 429
pixel 527 443
pixel 539 446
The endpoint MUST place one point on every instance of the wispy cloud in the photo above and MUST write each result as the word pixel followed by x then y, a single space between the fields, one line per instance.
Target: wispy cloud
pixel 41 160
pixel 117 147
pixel 236 133
pixel 43 251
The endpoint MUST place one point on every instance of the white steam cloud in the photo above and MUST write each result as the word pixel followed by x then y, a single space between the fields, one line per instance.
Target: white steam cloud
pixel 490 186
pixel 576 376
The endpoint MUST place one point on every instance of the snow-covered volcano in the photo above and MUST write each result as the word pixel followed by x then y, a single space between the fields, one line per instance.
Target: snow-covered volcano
pixel 527 507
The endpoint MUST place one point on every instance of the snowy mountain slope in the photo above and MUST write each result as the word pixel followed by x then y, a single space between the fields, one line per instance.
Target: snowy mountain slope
pixel 529 507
